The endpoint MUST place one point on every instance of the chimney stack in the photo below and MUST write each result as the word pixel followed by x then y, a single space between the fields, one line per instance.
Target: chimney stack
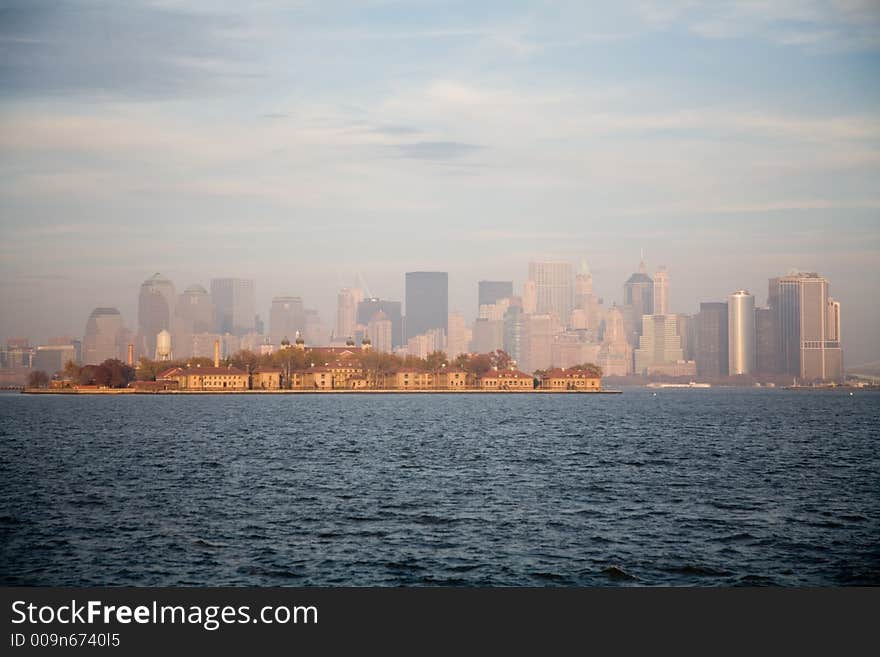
pixel 130 354
pixel 216 353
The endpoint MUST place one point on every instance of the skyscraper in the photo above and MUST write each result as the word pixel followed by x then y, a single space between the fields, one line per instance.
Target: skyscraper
pixel 370 306
pixel 379 332
pixel 615 356
pixel 553 288
pixel 661 291
pixel 194 306
pixel 585 300
pixel 741 333
pixel 287 317
pixel 234 302
pixel 104 337
pixel 427 302
pixel 156 306
pixel 514 332
pixel 808 327
pixel 492 291
pixel 456 337
pixel 659 343
pixel 712 340
pixel 529 298
pixel 766 350
pixel 638 300
pixel 346 311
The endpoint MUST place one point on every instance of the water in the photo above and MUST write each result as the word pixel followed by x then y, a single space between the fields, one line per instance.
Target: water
pixel 688 487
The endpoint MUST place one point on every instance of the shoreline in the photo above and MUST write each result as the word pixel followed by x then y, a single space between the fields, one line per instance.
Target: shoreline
pixel 131 391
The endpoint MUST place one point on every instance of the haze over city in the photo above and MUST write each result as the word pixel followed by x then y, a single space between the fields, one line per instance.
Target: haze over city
pixel 306 146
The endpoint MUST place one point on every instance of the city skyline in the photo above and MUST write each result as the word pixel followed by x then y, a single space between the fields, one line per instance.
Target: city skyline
pixel 467 141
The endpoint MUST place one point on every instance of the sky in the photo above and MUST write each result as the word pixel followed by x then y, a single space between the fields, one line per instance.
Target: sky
pixel 308 144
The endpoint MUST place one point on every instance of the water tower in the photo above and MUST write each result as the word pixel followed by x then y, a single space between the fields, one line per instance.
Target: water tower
pixel 163 345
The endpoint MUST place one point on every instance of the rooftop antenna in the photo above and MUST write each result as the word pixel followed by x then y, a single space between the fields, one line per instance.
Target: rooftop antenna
pixel 642 268
pixel 364 285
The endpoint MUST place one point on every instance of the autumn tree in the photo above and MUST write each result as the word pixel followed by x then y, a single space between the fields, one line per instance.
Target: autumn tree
pixel 38 379
pixel 500 359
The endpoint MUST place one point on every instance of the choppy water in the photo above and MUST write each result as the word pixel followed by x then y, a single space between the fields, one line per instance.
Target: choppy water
pixel 703 487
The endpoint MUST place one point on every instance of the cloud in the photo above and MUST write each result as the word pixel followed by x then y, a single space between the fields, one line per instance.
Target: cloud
pixel 436 150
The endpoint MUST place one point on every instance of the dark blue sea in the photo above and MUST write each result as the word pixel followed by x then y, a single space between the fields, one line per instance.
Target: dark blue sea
pixel 685 487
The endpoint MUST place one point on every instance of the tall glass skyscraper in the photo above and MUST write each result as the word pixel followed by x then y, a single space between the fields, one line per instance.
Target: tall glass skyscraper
pixel 235 305
pixel 427 302
pixel 712 340
pixel 156 304
pixel 492 291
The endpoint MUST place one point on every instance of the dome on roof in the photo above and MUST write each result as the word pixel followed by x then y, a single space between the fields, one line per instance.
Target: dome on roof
pixel 299 340
pixel 366 341
pixel 285 342
pixel 349 342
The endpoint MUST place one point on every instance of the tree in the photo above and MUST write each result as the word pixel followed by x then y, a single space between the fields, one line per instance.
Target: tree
pixel 71 370
pixel 478 365
pixel 116 373
pixel 38 379
pixel 500 359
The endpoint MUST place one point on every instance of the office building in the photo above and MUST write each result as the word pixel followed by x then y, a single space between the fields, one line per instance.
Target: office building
pixel 105 336
pixel 712 341
pixel 553 288
pixel 427 302
pixel 490 292
pixel 457 339
pixel 370 306
pixel 661 292
pixel 807 327
pixel 347 301
pixel 287 318
pixel 615 355
pixel 659 343
pixel 379 332
pixel 235 305
pixel 766 348
pixel 52 358
pixel 157 302
pixel 741 349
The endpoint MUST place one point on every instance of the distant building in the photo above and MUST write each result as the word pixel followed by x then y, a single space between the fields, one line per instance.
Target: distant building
pixel 105 337
pixel 426 343
pixel 379 331
pixel 315 331
pixel 210 378
pixel 529 298
pixel 615 355
pixel 427 302
pixel 286 317
pixel 661 292
pixel 370 306
pixel 488 335
pixel 457 340
pixel 741 333
pixel 587 312
pixel 766 346
pixel 347 311
pixel 157 302
pixel 193 314
pixel 712 340
pixel 687 331
pixel 540 330
pixel 514 333
pixel 571 379
pixel 659 343
pixel 490 292
pixel 638 301
pixel 808 327
pixel 573 347
pixel 52 358
pixel 553 288
pixel 235 305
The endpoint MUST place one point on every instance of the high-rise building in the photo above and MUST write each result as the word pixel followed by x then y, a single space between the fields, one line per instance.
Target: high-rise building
pixel 766 349
pixel 195 306
pixel 529 298
pixel 553 288
pixel 156 307
pixel 661 291
pixel 712 340
pixel 235 305
pixel 315 331
pixel 52 358
pixel 741 339
pixel 105 336
pixel 379 332
pixel 659 343
pixel 638 293
pixel 427 302
pixel 370 306
pixel 687 331
pixel 491 291
pixel 615 356
pixel 346 311
pixel 514 332
pixel 456 337
pixel 287 317
pixel 585 301
pixel 488 335
pixel 539 329
pixel 808 327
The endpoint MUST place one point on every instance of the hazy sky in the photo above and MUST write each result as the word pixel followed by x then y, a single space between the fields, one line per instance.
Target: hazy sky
pixel 298 143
